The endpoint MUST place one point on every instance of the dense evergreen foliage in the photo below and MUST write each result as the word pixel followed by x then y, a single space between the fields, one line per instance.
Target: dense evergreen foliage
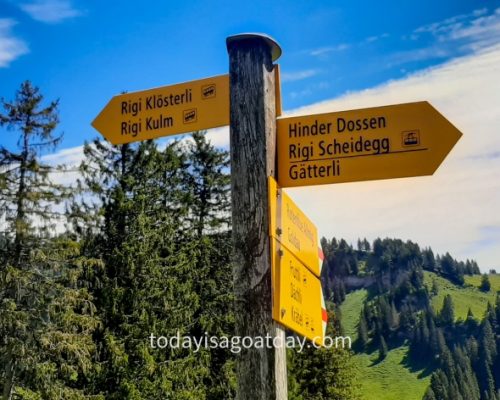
pixel 462 353
pixel 47 314
pixel 142 251
pixel 317 374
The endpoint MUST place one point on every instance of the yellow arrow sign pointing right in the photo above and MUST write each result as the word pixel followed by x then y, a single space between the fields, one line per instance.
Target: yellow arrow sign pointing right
pixel 394 141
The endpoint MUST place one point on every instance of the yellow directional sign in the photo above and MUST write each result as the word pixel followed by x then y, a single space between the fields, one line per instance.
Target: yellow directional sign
pixel 373 143
pixel 292 228
pixel 298 300
pixel 168 110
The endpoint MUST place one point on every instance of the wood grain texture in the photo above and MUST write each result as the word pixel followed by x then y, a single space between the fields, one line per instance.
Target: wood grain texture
pixel 253 159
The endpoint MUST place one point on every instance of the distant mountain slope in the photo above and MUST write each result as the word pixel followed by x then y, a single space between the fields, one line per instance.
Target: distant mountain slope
pixel 391 379
pixel 423 326
pixel 463 297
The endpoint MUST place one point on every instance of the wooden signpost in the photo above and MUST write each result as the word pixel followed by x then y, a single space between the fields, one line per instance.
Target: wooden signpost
pixel 276 264
pixel 261 373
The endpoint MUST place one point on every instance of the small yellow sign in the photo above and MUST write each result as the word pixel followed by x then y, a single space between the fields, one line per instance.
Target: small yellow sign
pixel 164 111
pixel 292 228
pixel 297 295
pixel 373 143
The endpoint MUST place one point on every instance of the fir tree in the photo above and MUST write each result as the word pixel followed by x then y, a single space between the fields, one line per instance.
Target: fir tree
pixel 488 348
pixel 363 330
pixel 485 283
pixel 447 315
pixel 470 322
pixel 26 193
pixel 322 373
pixel 497 312
pixel 147 286
pixel 207 181
pixel 429 394
pixel 468 385
pixel 490 315
pixel 435 288
pixel 382 350
pixel 440 385
pixel 429 261
pixel 366 245
pixel 46 313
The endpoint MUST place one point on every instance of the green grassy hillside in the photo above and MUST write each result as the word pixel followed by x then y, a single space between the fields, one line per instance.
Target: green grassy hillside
pixel 476 281
pixel 395 378
pixel 351 309
pixel 391 379
pixel 463 297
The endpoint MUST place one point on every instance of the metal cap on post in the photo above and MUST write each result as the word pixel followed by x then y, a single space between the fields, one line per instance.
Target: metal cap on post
pixel 273 45
pixel 261 372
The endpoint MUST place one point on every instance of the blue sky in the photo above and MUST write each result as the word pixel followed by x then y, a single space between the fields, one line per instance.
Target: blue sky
pixel 84 52
pixel 336 55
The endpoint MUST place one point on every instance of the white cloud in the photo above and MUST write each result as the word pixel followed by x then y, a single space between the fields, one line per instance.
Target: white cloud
pixel 298 75
pixel 322 51
pixel 219 137
pixel 310 89
pixel 455 210
pixel 50 11
pixel 71 158
pixel 10 46
pixel 452 24
pixel 454 36
pixel 372 39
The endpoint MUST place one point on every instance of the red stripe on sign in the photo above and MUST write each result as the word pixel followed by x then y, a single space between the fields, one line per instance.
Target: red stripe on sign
pixel 320 254
pixel 324 315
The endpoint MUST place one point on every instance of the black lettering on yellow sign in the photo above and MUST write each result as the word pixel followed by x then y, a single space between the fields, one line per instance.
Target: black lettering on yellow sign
pixel 159 101
pixel 131 107
pixel 297 316
pixel 292 238
pixel 131 128
pixel 364 124
pixel 295 293
pixel 358 145
pixel 300 224
pixel 160 122
pixel 294 272
pixel 297 129
pixel 295 289
pixel 303 171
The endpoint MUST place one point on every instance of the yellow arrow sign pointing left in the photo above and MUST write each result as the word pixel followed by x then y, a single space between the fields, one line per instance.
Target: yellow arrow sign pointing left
pixel 168 110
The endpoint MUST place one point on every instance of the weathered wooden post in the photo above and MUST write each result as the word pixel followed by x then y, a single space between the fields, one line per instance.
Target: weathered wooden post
pixel 261 372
